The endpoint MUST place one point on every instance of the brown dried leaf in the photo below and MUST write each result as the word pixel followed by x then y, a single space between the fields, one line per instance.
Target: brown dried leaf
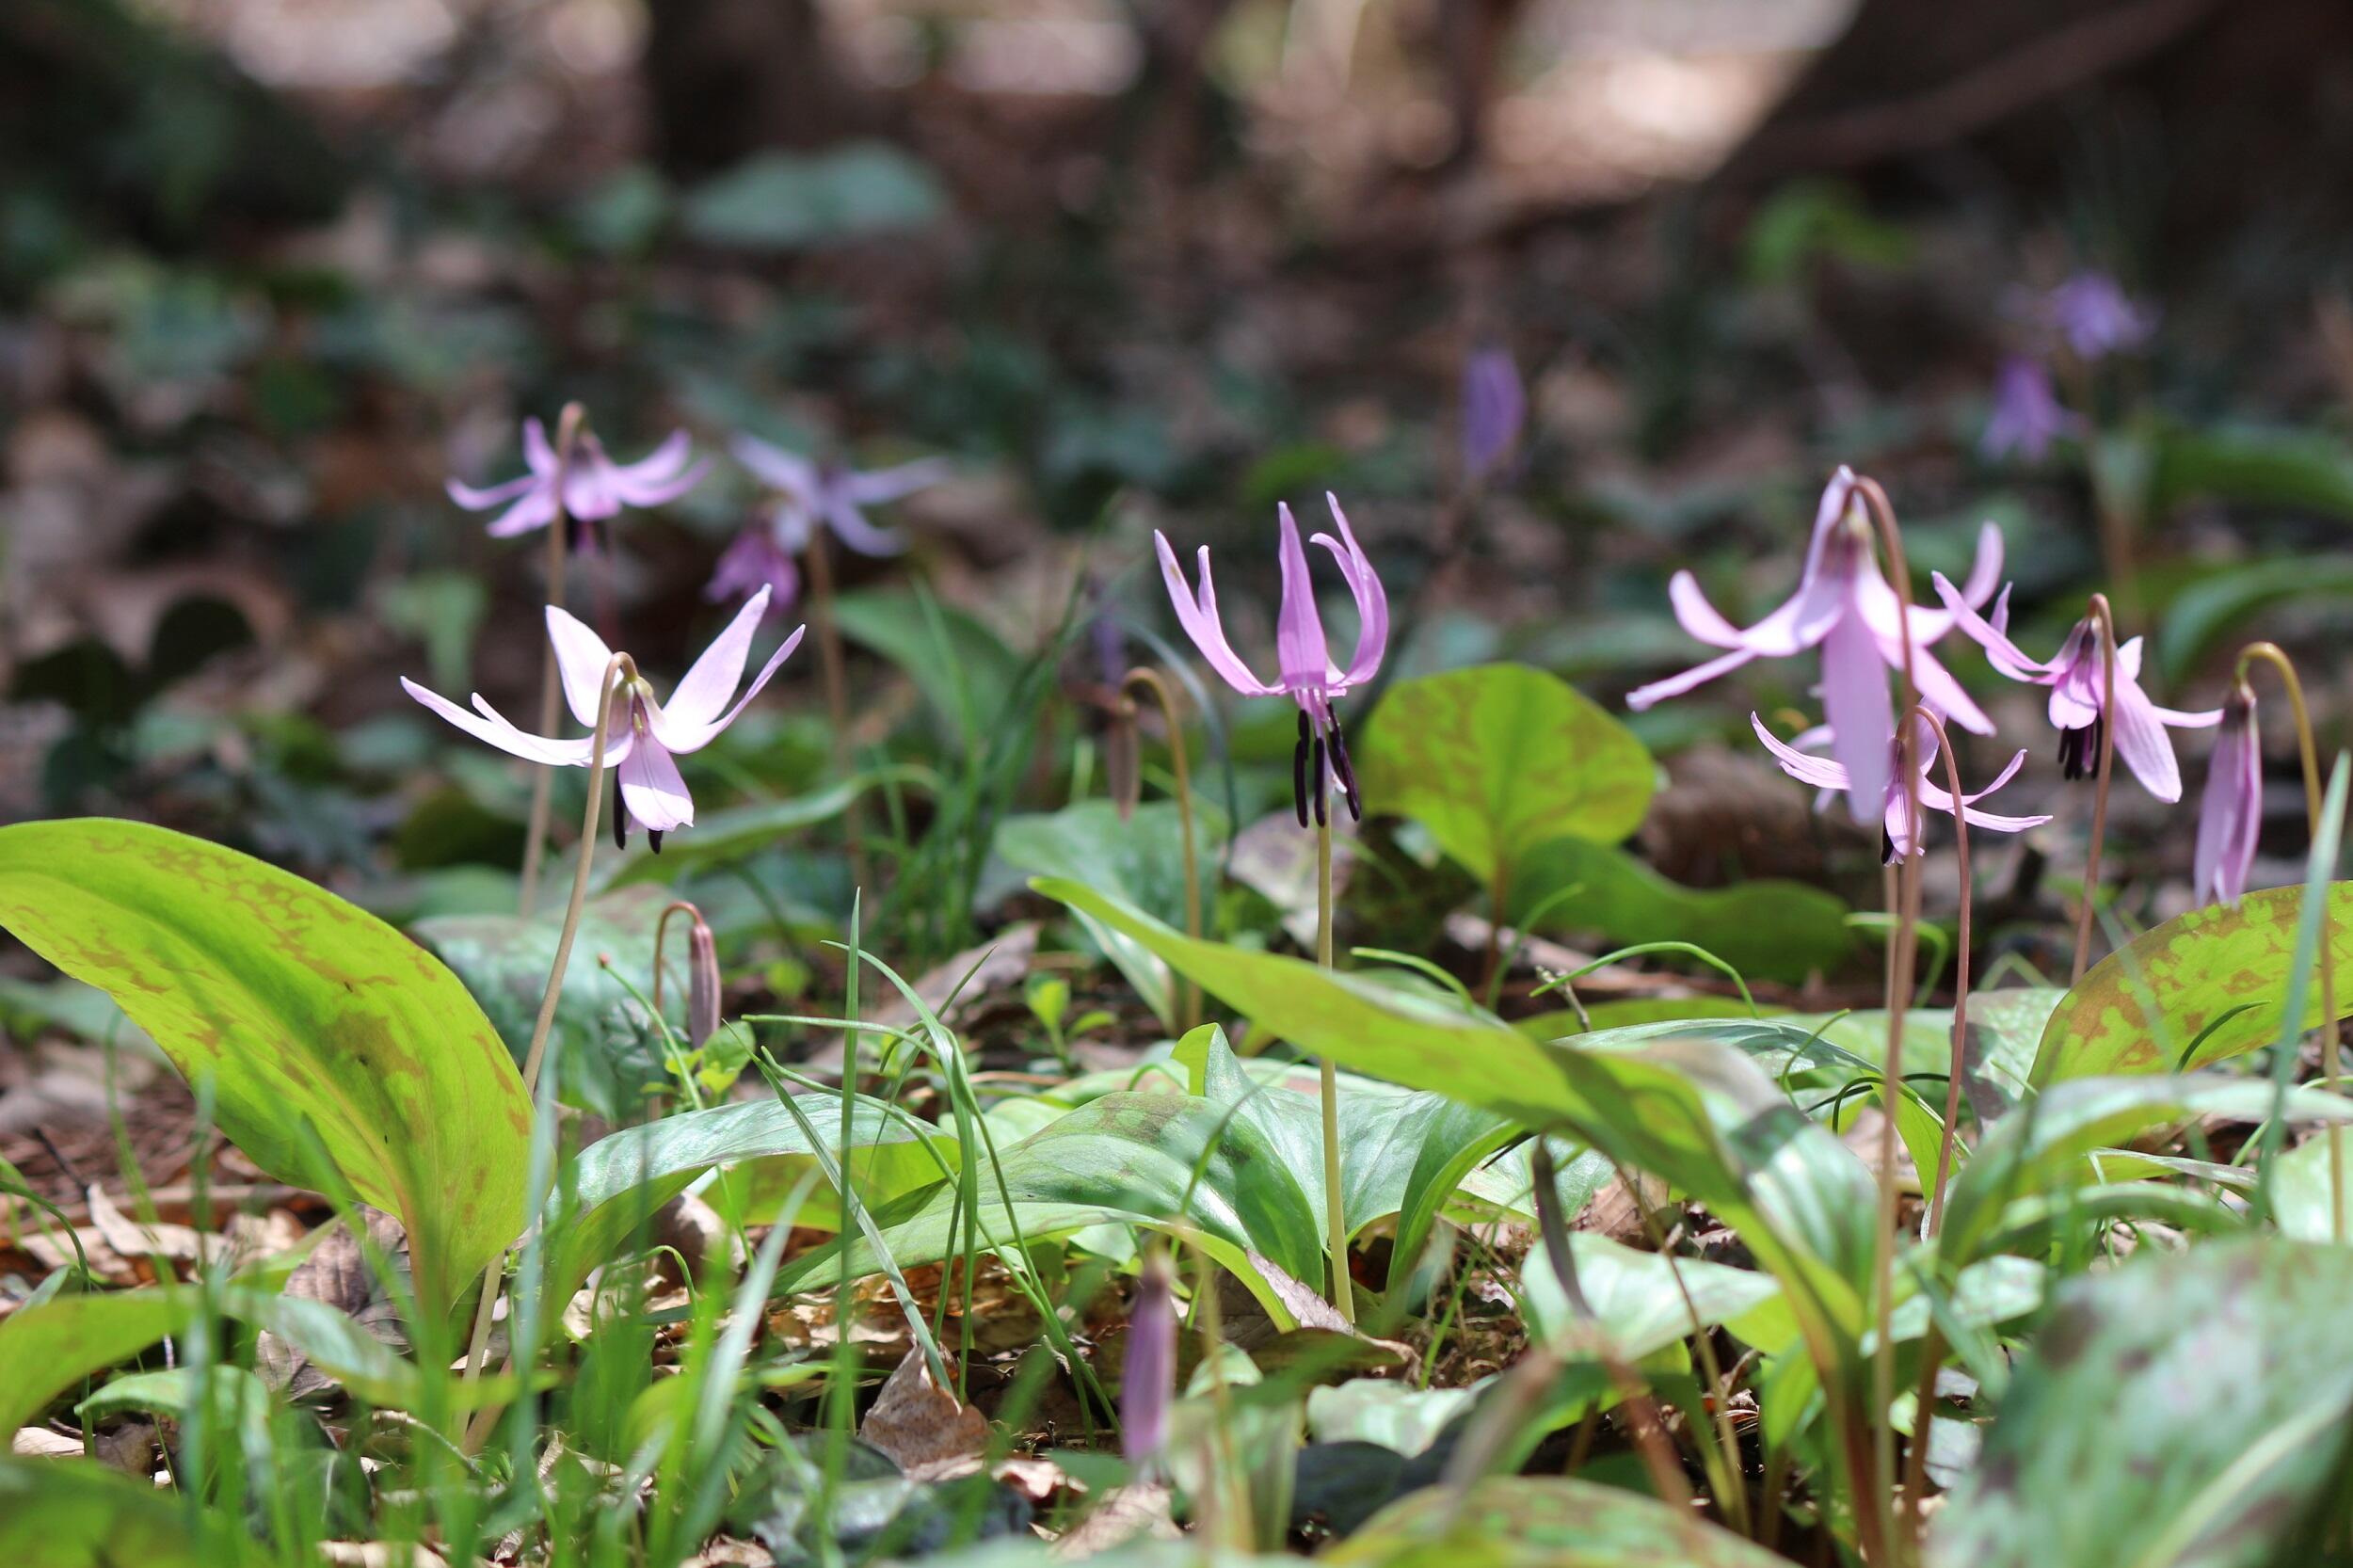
pixel 922 1426
pixel 1126 1513
pixel 337 1273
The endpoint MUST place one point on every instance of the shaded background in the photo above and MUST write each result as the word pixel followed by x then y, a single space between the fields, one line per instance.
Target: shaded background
pixel 271 270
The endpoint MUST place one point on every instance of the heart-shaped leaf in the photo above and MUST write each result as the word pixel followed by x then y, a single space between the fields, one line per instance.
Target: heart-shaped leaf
pixel 1497 759
pixel 298 1008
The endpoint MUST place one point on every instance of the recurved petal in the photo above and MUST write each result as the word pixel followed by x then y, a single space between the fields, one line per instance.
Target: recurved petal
pixel 705 688
pixel 482 500
pixel 2142 742
pixel 581 659
pixel 494 731
pixel 2004 655
pixel 682 738
pixel 1698 674
pixel 788 471
pixel 852 527
pixel 892 484
pixel 1854 700
pixel 1821 772
pixel 1200 620
pixel 1300 652
pixel 1364 585
pixel 534 510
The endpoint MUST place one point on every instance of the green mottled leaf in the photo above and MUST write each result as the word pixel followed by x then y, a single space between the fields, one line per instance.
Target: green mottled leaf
pixel 2214 973
pixel 1767 929
pixel 1141 860
pixel 605 1044
pixel 298 1008
pixel 2189 1411
pixel 1497 759
pixel 1639 1303
pixel 1542 1522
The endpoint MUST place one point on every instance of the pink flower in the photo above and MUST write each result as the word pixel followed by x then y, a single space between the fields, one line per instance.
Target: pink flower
pixel 1896 838
pixel 2078 695
pixel 1306 674
pixel 645 736
pixel 1845 607
pixel 2230 816
pixel 595 487
pixel 2096 316
pixel 1494 407
pixel 754 561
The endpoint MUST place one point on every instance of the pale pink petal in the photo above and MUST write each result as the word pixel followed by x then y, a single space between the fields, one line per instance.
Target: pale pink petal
pixel 653 791
pixel 795 476
pixel 538 452
pixel 1698 674
pixel 1938 689
pixel 1995 821
pixel 589 490
pixel 1300 652
pixel 2177 719
pixel 1699 617
pixel 582 659
pixel 2143 744
pixel 1837 496
pixel 616 743
pixel 482 500
pixel 1200 620
pixel 2004 655
pixel 535 510
pixel 2017 760
pixel 661 463
pixel 1821 772
pixel 1985 572
pixel 497 733
pixel 1364 585
pixel 705 688
pixel 851 527
pixel 1854 700
pixel 637 490
pixel 892 484
pixel 682 738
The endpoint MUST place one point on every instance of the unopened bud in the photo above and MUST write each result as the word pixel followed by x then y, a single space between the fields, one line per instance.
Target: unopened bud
pixel 1148 1379
pixel 702 983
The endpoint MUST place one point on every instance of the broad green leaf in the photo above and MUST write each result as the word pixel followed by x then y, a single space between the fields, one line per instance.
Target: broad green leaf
pixel 299 1007
pixel 2214 976
pixel 604 1042
pixel 2183 1411
pixel 2300 1184
pixel 1542 1522
pixel 1767 929
pixel 46 1350
pixel 1396 1416
pixel 1497 758
pixel 2205 611
pixel 1640 1304
pixel 739 832
pixel 2043 1142
pixel 1688 1110
pixel 619 1181
pixel 1128 1158
pixel 74 1514
pixel 2306 470
pixel 1141 860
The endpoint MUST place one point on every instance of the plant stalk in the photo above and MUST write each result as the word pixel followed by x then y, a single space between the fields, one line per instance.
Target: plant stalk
pixel 1899 973
pixel 551 679
pixel 1956 1066
pixel 2100 613
pixel 2309 754
pixel 1188 994
pixel 830 662
pixel 1335 1217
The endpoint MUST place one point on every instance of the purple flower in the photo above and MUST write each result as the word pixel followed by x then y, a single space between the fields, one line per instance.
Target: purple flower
pixel 808 493
pixel 1896 838
pixel 1494 407
pixel 2229 817
pixel 595 487
pixel 645 735
pixel 2078 697
pixel 1845 607
pixel 1306 675
pixel 2027 416
pixel 754 561
pixel 1147 1378
pixel 2096 317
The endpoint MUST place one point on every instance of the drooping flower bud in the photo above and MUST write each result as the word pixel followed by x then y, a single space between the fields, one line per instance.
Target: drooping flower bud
pixel 1148 1382
pixel 2229 815
pixel 702 983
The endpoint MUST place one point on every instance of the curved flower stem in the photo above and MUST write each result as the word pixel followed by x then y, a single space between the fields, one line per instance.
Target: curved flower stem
pixel 1334 1213
pixel 2308 755
pixel 1931 1348
pixel 661 930
pixel 618 668
pixel 551 681
pixel 2100 613
pixel 829 659
pixel 1188 994
pixel 1880 1498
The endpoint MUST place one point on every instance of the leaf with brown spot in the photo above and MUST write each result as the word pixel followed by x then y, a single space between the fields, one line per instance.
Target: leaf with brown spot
pixel 299 1008
pixel 2217 974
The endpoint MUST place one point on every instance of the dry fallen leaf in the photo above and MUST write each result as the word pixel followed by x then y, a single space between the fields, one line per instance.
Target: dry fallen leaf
pixel 1125 1514
pixel 337 1273
pixel 40 1443
pixel 922 1426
